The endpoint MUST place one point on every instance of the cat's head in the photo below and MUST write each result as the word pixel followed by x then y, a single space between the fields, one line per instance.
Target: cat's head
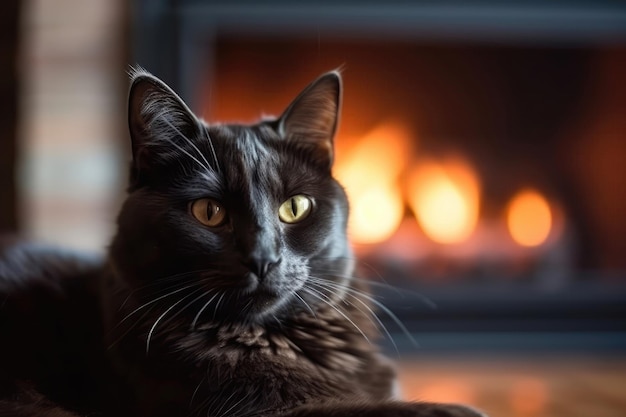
pixel 232 222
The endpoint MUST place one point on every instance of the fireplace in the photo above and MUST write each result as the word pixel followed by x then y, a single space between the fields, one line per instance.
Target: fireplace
pixel 480 148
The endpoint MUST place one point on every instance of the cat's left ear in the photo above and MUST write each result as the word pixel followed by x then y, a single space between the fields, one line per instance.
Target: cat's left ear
pixel 311 119
pixel 160 123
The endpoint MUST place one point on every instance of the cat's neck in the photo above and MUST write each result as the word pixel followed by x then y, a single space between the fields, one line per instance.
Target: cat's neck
pixel 331 337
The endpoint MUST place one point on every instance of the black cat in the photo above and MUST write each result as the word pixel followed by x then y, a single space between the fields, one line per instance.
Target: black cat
pixel 227 290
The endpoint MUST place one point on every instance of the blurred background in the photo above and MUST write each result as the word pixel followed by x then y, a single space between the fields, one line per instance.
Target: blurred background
pixel 482 145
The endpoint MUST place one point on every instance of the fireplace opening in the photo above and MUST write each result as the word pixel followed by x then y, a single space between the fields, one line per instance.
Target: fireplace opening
pixel 455 157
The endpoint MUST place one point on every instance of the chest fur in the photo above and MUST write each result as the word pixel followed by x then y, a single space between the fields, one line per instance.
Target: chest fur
pixel 250 369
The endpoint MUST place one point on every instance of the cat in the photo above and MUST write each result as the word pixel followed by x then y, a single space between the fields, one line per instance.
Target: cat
pixel 227 289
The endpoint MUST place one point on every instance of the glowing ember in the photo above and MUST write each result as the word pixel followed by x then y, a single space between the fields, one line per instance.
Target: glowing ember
pixel 370 174
pixel 529 218
pixel 445 200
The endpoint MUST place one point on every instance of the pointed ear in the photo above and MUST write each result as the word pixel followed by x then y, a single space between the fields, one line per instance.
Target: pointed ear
pixel 158 121
pixel 311 119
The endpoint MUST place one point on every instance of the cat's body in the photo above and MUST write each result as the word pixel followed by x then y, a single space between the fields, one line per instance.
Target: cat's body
pixel 52 349
pixel 228 289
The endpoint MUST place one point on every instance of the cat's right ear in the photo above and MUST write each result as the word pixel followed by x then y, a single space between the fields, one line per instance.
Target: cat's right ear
pixel 158 120
pixel 311 119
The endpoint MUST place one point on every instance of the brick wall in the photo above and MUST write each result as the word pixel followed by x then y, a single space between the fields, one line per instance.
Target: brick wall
pixel 72 68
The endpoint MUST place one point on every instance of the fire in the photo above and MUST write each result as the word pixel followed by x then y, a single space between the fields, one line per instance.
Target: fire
pixel 376 214
pixel 445 199
pixel 369 173
pixel 529 218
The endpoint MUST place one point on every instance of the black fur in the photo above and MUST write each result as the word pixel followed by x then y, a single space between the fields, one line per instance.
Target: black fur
pixel 251 317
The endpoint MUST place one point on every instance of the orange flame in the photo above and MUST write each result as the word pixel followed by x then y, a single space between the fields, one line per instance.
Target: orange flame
pixel 445 200
pixel 376 214
pixel 529 218
pixel 370 174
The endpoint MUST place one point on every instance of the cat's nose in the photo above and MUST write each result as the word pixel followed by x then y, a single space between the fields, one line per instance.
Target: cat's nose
pixel 262 266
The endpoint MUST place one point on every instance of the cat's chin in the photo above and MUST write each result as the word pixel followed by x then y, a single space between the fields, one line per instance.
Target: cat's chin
pixel 256 306
pixel 263 299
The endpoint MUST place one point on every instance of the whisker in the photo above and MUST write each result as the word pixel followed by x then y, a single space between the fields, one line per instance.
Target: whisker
pixel 217 164
pixel 372 316
pixel 218 305
pixel 206 403
pixel 154 301
pixel 372 269
pixel 207 167
pixel 277 320
pixel 195 319
pixel 219 411
pixel 161 280
pixel 305 303
pixel 193 396
pixel 319 296
pixel 146 294
pixel 400 291
pixel 389 313
pixel 188 304
pixel 245 397
pixel 116 341
pixel 209 404
pixel 163 315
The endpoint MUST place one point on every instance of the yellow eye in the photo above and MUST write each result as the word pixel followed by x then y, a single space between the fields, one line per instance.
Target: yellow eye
pixel 208 212
pixel 296 208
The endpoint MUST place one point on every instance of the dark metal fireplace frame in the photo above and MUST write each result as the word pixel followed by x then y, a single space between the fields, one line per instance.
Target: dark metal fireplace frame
pixel 174 39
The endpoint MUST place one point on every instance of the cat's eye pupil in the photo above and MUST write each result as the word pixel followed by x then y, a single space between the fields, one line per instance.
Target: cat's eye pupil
pixel 295 209
pixel 211 210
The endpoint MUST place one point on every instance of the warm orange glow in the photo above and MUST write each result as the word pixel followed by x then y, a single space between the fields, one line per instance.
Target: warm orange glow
pixel 369 172
pixel 376 214
pixel 447 391
pixel 529 397
pixel 529 218
pixel 445 200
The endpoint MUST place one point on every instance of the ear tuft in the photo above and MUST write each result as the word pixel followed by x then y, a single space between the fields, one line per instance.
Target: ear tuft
pixel 312 118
